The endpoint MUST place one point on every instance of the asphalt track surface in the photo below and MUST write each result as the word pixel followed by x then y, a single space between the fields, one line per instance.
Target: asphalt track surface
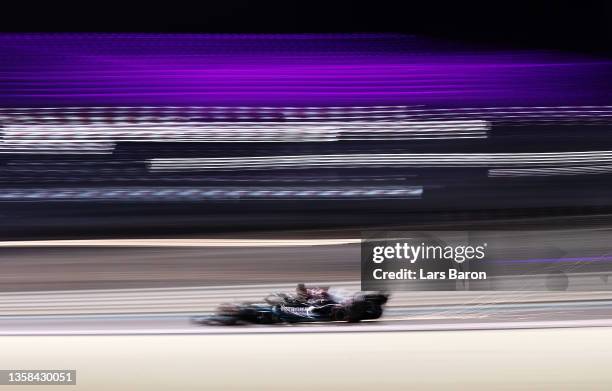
pixel 156 287
pixel 119 314
pixel 536 341
pixel 171 311
pixel 493 317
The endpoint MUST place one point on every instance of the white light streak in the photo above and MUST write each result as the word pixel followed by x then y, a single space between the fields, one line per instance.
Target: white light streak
pixel 381 160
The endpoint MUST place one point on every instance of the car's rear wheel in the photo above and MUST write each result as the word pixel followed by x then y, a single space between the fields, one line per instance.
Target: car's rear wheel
pixel 357 312
pixel 339 315
pixel 373 311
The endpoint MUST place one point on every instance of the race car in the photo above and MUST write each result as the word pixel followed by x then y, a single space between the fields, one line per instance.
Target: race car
pixel 283 308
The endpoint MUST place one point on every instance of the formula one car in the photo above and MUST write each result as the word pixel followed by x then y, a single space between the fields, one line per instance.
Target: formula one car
pixel 284 308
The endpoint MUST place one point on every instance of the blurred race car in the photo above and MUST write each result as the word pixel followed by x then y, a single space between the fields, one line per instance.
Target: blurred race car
pixel 308 305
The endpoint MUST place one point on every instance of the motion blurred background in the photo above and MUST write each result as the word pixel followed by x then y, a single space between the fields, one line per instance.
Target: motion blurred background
pixel 334 116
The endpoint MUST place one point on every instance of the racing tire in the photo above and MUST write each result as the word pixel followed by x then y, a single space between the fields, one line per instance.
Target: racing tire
pixel 373 311
pixel 339 315
pixel 357 312
pixel 265 318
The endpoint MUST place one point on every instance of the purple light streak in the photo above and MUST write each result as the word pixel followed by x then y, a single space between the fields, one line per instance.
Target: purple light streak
pixel 282 70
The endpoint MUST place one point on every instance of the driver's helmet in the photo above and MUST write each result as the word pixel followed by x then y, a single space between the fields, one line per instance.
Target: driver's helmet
pixel 301 291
